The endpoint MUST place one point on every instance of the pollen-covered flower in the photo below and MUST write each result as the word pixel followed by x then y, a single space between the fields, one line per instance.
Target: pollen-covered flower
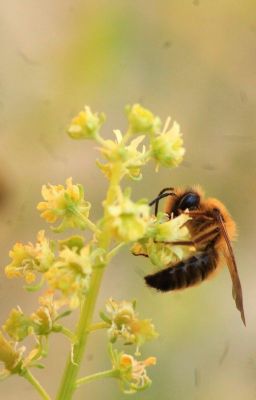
pixel 86 124
pixel 158 248
pixel 28 259
pixel 9 355
pixel 132 373
pixel 125 324
pixel 167 148
pixel 67 204
pixel 128 221
pixel 142 120
pixel 71 274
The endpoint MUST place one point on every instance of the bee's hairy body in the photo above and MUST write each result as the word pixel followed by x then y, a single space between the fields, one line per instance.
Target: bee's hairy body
pixel 206 260
pixel 185 273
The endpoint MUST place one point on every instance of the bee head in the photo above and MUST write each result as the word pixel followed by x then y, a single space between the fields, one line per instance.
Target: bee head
pixel 187 201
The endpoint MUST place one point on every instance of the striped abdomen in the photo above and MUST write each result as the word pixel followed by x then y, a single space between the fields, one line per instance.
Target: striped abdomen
pixel 185 273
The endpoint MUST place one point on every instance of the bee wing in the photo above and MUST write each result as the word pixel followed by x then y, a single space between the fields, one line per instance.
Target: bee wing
pixel 231 262
pixel 237 288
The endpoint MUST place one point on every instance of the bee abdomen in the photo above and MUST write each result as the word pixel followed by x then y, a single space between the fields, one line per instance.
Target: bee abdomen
pixel 185 273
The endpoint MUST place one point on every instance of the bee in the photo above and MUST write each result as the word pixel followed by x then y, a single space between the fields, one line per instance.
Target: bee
pixel 211 229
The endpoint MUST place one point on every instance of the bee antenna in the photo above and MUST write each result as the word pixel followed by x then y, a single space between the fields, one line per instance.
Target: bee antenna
pixel 161 195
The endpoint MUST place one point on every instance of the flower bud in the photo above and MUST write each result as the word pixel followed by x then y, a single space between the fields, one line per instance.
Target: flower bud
pixel 142 120
pixel 86 125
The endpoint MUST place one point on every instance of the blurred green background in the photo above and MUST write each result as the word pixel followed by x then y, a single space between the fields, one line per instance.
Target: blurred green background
pixel 194 60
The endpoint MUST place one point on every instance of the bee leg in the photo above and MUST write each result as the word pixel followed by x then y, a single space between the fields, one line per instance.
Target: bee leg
pixel 198 214
pixel 140 254
pixel 198 240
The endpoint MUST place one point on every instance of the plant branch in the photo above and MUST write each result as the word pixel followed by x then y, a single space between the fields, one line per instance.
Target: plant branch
pixel 115 250
pixel 97 326
pixel 112 373
pixel 65 331
pixel 34 382
pixel 68 384
pixel 72 368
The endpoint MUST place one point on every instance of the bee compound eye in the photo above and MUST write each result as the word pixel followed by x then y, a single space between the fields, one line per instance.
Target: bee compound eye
pixel 189 201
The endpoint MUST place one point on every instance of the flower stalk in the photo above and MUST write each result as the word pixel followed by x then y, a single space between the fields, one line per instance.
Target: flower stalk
pixel 68 384
pixel 111 373
pixel 34 382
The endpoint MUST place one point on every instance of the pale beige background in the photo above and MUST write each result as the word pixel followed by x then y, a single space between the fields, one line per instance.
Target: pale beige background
pixel 194 60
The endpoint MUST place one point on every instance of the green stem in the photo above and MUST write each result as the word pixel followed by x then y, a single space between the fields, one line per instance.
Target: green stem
pixel 72 368
pixel 111 373
pixel 115 250
pixel 97 326
pixel 89 224
pixel 68 383
pixel 100 140
pixel 31 379
pixel 65 331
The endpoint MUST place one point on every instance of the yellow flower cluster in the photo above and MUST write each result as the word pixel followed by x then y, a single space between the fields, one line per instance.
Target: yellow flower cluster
pixel 125 324
pixel 67 204
pixel 40 323
pixel 28 259
pixel 71 273
pixel 73 269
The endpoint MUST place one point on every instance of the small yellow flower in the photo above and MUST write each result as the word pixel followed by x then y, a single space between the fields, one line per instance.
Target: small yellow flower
pixel 44 317
pixel 162 254
pixel 132 373
pixel 86 125
pixel 71 274
pixel 40 323
pixel 135 372
pixel 125 324
pixel 67 204
pixel 9 355
pixel 28 259
pixel 142 120
pixel 167 148
pixel 130 158
pixel 18 325
pixel 128 220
